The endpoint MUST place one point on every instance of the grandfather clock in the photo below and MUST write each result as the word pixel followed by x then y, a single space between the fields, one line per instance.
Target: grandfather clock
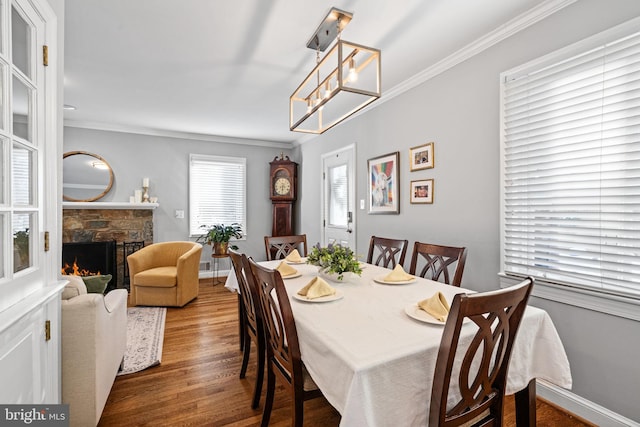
pixel 283 188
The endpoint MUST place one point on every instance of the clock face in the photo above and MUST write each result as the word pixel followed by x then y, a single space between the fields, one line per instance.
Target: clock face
pixel 282 186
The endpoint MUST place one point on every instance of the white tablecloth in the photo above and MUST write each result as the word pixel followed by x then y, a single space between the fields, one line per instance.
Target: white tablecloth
pixel 375 364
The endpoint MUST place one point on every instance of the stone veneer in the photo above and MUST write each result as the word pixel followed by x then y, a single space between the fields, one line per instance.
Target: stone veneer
pixel 99 225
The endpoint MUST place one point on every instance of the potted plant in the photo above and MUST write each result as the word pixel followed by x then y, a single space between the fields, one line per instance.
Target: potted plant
pixel 334 261
pixel 219 235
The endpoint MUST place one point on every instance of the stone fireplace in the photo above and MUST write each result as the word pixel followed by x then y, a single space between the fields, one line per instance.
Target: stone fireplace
pixel 104 222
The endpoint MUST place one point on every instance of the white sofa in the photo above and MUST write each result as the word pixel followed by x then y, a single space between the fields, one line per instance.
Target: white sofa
pixel 94 340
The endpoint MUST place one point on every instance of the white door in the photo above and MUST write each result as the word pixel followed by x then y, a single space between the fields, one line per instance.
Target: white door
pixel 22 151
pixel 29 333
pixel 339 198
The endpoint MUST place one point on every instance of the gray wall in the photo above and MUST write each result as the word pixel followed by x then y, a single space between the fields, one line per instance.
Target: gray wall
pixel 165 161
pixel 459 110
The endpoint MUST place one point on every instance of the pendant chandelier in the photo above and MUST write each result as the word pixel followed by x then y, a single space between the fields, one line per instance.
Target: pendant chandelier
pixel 343 82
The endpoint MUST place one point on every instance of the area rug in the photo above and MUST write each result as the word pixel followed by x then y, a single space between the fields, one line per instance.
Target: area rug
pixel 145 335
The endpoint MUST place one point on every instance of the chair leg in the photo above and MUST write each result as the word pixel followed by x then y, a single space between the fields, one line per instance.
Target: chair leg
pixel 298 410
pixel 259 374
pixel 245 354
pixel 241 322
pixel 268 401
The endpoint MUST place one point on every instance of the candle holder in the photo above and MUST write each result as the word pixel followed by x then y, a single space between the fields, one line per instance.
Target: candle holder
pixel 145 195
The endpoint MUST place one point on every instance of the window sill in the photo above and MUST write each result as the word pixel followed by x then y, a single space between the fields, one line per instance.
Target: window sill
pixel 615 305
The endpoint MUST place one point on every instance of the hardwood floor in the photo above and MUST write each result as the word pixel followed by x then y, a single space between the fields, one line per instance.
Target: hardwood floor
pixel 197 383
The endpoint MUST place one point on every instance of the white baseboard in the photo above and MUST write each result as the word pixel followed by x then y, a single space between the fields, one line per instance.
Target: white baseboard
pixel 582 407
pixel 208 274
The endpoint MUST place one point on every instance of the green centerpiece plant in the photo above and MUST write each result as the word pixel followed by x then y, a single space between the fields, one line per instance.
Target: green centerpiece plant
pixel 334 259
pixel 219 235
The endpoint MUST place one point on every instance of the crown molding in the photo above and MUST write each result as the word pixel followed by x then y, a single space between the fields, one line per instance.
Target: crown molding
pixel 519 23
pixel 176 134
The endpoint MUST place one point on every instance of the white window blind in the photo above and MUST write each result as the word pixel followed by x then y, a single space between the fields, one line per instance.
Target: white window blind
pixel 571 170
pixel 217 189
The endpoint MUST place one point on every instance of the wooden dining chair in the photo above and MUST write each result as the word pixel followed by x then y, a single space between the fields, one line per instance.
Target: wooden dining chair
pixel 253 330
pixel 438 260
pixel 283 349
pixel 482 377
pixel 388 252
pixel 281 246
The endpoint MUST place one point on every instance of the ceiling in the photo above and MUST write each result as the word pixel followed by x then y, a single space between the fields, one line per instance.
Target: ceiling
pixel 226 68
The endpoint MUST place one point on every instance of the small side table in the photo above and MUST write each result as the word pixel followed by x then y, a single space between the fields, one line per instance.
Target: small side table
pixel 216 267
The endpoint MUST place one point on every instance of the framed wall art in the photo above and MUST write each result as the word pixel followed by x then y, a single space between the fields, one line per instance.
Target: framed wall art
pixel 384 184
pixel 421 157
pixel 422 191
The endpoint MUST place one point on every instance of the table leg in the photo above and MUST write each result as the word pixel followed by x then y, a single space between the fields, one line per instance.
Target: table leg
pixel 526 405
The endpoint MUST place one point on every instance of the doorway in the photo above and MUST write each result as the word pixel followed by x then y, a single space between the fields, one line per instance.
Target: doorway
pixel 338 197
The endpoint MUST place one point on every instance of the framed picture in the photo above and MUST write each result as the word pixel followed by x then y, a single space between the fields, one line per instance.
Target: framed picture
pixel 384 184
pixel 422 191
pixel 421 157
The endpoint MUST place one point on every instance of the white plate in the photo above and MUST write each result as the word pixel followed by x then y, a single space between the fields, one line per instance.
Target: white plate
pixel 303 261
pixel 417 313
pixel 291 276
pixel 338 295
pixel 384 282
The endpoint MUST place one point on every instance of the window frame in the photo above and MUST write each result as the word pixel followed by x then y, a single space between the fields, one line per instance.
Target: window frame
pixel 625 306
pixel 192 207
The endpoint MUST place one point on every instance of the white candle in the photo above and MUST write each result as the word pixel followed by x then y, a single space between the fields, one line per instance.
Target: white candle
pixel 138 196
pixel 145 182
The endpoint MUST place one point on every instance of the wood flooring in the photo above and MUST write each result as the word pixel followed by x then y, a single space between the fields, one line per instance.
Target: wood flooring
pixel 197 382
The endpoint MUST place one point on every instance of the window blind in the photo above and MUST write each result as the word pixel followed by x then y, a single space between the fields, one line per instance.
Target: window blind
pixel 217 188
pixel 571 170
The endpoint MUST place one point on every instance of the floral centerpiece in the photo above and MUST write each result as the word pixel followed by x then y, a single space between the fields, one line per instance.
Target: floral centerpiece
pixel 334 259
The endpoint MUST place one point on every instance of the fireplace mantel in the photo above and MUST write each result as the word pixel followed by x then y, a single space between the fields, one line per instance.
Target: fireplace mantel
pixel 108 205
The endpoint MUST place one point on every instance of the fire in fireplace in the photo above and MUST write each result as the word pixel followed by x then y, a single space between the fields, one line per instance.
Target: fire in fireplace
pixel 90 258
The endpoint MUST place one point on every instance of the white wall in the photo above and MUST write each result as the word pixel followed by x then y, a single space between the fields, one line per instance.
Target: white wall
pixel 459 111
pixel 165 161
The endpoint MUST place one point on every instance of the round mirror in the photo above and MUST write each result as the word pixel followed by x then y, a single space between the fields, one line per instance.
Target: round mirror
pixel 86 177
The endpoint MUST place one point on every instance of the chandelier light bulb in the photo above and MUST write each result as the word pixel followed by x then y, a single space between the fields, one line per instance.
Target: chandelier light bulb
pixel 353 74
pixel 309 106
pixel 327 89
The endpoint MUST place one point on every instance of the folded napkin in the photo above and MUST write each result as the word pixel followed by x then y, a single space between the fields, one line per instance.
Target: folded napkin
pixel 397 275
pixel 437 306
pixel 285 269
pixel 316 288
pixel 294 256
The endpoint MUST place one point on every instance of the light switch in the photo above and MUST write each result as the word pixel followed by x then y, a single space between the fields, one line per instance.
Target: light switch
pixel 361 203
pixel 179 214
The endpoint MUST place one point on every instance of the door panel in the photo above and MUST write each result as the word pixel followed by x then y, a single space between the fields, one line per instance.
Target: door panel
pixel 339 198
pixel 22 106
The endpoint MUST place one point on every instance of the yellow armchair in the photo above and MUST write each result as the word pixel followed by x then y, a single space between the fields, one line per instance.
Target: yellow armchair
pixel 164 274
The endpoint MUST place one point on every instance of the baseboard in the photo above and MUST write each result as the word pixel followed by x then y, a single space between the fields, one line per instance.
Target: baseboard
pixel 204 274
pixel 582 407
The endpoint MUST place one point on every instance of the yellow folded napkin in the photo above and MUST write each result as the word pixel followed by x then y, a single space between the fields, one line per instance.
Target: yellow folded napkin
pixel 437 306
pixel 285 269
pixel 316 288
pixel 294 256
pixel 397 275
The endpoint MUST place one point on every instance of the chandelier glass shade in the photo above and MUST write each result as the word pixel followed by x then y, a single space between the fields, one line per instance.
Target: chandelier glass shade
pixel 343 82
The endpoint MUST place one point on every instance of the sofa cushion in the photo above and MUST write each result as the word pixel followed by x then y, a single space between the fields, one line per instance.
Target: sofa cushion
pixel 161 277
pixel 97 284
pixel 74 288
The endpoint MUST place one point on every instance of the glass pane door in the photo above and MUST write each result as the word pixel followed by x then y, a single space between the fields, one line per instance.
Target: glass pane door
pixel 21 148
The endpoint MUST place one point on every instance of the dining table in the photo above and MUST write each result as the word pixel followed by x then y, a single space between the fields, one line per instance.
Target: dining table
pixel 372 353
